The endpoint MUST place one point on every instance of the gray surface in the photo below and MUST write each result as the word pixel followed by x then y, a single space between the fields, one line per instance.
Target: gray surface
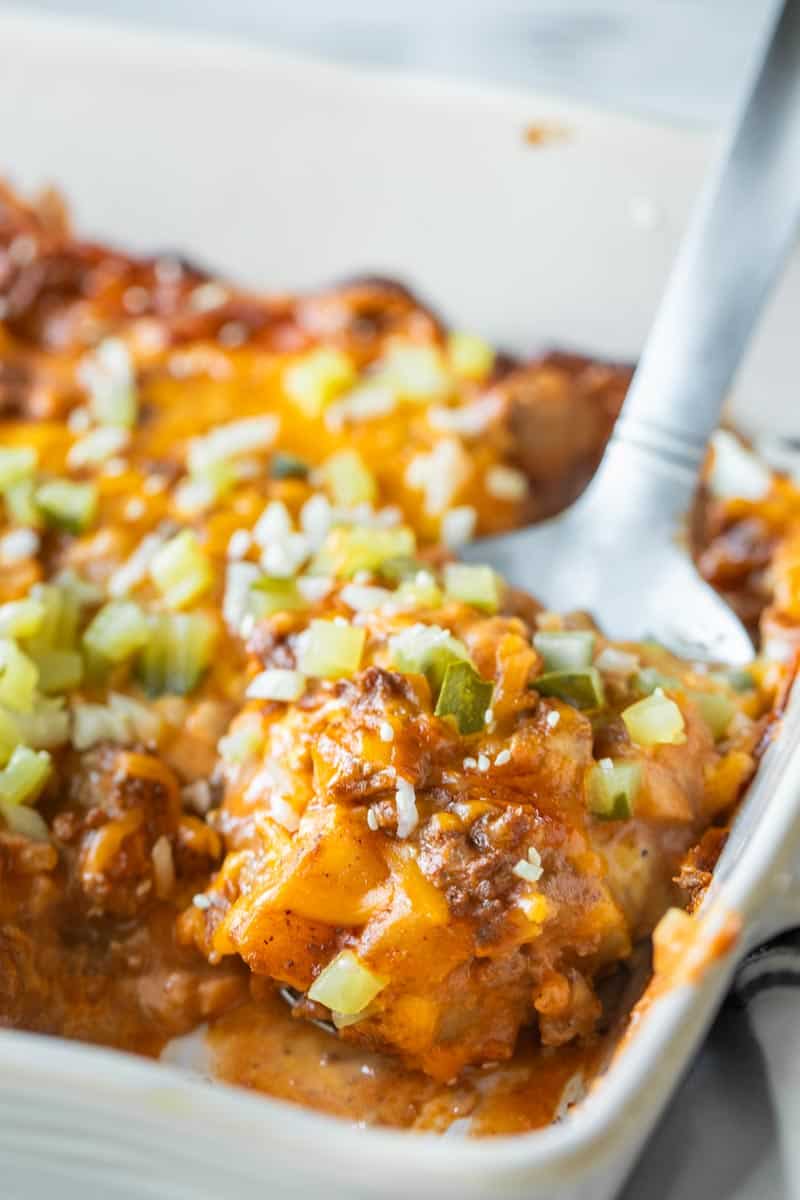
pixel 675 58
pixel 717 1139
pixel 679 59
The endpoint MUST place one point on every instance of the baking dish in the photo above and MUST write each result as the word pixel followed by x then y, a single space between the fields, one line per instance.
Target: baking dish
pixel 390 210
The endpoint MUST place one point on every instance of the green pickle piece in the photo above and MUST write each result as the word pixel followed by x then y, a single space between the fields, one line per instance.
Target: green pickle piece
pixel 67 505
pixel 288 466
pixel 400 569
pixel 612 791
pixel 177 653
pixel 716 709
pixel 650 678
pixel 272 594
pixel 568 650
pixel 465 696
pixel 583 689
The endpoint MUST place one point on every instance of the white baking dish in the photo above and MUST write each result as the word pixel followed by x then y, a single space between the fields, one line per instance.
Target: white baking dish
pixel 285 173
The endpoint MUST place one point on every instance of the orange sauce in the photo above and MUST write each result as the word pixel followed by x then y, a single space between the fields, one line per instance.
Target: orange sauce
pixel 260 1046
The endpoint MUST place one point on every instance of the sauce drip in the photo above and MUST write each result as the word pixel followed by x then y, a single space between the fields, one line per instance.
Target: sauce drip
pixel 260 1046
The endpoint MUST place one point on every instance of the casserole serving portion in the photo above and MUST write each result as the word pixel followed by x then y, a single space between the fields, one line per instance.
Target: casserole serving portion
pixel 261 735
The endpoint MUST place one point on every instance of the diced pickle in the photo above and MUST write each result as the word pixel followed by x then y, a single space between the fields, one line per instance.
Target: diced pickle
pixel 331 650
pixel 612 790
pixel 568 650
pixel 177 653
pixel 583 689
pixel 655 721
pixel 465 696
pixel 67 505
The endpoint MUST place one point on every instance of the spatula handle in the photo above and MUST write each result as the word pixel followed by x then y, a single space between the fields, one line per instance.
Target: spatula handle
pixel 739 238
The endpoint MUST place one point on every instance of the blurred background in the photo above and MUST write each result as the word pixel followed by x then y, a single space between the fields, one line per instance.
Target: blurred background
pixel 678 59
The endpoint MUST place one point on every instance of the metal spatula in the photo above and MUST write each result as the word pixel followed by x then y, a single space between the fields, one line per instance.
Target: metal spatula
pixel 615 552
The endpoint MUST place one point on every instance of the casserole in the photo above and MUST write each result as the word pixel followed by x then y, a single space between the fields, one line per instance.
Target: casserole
pixel 432 1162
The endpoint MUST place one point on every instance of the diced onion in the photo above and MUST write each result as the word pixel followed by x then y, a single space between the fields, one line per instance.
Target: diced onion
pixel 97 446
pixel 406 804
pixel 277 684
pixel 617 662
pixel 123 721
pixel 19 544
pixel 94 723
pixel 439 474
pixel 285 557
pixel 471 419
pixel 274 524
pixel 364 598
pixel 202 490
pixel 458 526
pixel 316 519
pixel 506 483
pixel 314 587
pixel 108 375
pixel 46 727
pixel 530 869
pixel 239 579
pixel 143 722
pixel 134 570
pixel 363 403
pixel 248 436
